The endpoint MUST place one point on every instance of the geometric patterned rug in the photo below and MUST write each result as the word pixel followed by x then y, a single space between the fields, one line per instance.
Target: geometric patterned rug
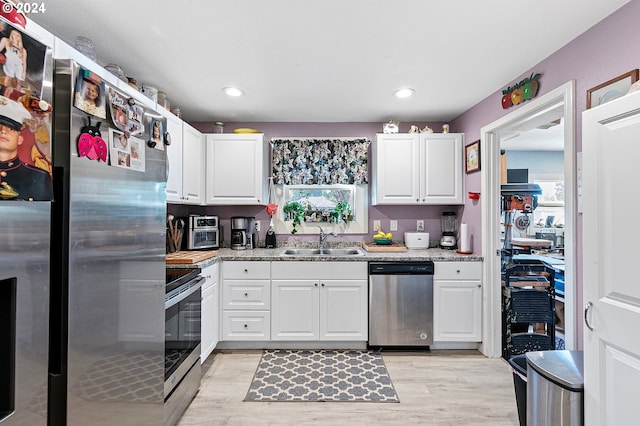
pixel 324 375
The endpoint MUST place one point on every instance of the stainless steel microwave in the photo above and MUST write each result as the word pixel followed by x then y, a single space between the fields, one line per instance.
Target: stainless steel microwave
pixel 203 233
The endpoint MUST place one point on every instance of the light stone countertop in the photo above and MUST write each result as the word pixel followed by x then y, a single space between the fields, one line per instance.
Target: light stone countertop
pixel 263 254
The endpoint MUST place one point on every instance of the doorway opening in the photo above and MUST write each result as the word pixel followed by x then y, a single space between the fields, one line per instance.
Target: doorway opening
pixel 557 104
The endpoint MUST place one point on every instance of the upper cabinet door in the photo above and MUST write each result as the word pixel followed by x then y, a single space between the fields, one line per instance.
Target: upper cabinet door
pixel 174 159
pixel 193 165
pixel 396 169
pixel 441 171
pixel 414 168
pixel 235 169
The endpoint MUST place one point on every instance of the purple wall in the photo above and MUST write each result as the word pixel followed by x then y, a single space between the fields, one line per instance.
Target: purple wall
pixel 608 49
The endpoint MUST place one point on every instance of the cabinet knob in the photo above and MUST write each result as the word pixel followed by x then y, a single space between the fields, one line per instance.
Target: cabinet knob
pixel 417 200
pixel 315 284
pixel 246 270
pixel 246 326
pixel 322 284
pixel 457 271
pixel 479 285
pixel 246 295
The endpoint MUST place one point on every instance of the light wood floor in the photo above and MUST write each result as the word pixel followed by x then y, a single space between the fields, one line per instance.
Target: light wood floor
pixel 435 388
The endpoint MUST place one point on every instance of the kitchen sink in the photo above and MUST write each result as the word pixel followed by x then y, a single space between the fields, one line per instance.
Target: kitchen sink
pixel 324 252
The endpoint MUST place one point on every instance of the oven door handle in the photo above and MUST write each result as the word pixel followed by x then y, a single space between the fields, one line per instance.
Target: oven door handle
pixel 197 284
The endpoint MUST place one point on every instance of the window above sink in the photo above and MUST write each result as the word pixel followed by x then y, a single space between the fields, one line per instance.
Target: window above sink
pixel 322 207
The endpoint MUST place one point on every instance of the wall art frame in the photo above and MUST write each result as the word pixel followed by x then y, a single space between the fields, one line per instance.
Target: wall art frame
pixel 472 157
pixel 612 89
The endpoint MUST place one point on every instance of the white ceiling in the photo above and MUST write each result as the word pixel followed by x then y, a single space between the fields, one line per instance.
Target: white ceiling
pixel 324 60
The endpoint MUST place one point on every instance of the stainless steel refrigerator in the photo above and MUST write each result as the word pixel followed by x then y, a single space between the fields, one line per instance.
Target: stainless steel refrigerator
pixel 24 262
pixel 82 271
pixel 107 261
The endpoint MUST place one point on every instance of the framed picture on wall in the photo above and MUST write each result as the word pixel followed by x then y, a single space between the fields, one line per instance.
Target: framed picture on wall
pixel 611 89
pixel 472 157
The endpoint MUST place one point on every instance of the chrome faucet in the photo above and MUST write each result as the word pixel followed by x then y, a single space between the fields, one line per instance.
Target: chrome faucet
pixel 323 237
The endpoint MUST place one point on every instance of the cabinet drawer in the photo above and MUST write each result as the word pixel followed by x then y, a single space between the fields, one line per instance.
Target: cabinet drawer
pixel 246 270
pixel 246 294
pixel 252 325
pixel 319 270
pixel 458 270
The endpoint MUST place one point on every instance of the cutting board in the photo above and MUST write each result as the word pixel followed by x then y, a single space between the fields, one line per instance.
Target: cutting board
pixel 189 257
pixel 381 248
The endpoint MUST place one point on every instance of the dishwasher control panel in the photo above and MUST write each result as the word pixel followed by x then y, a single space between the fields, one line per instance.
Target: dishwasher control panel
pixel 396 268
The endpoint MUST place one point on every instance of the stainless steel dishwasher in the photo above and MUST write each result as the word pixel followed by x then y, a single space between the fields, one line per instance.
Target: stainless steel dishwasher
pixel 401 303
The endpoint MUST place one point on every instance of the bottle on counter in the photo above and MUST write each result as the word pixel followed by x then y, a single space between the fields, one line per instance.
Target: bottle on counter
pixel 270 239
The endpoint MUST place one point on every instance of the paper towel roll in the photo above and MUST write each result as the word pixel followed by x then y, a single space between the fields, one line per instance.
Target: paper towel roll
pixel 464 238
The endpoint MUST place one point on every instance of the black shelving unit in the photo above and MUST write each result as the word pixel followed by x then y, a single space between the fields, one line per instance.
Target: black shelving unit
pixel 528 308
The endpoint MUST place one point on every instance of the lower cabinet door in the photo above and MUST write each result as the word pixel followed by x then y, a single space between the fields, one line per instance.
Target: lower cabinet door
pixel 209 329
pixel 294 310
pixel 343 310
pixel 457 309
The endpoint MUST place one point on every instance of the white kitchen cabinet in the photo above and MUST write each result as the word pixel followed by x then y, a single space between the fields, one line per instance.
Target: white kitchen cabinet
pixel 246 300
pixel 210 311
pixel 319 301
pixel 185 158
pixel 174 159
pixel 236 171
pixel 457 302
pixel 417 168
pixel 193 183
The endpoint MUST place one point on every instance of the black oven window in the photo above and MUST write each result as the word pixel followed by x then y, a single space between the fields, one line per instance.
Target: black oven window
pixel 182 331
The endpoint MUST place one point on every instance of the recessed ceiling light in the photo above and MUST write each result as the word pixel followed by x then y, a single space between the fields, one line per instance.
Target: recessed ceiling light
pixel 233 91
pixel 404 93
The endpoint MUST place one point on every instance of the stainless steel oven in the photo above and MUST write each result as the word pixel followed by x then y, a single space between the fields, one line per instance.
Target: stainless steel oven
pixel 203 233
pixel 182 340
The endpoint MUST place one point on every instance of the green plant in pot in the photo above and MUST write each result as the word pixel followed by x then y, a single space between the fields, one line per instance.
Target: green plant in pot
pixel 342 211
pixel 295 211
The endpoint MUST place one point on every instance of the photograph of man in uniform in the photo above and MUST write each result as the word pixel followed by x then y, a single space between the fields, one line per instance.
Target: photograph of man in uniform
pixel 18 180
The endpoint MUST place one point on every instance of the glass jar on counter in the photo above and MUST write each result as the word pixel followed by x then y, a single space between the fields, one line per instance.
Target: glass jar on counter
pixel 176 111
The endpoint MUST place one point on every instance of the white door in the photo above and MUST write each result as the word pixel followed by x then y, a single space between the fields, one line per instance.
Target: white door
pixel 611 230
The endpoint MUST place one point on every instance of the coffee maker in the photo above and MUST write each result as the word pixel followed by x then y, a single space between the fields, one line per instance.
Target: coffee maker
pixel 242 232
pixel 449 223
pixel 238 233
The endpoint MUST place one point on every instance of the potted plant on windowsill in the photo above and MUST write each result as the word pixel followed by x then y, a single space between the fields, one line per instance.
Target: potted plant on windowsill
pixel 295 211
pixel 341 212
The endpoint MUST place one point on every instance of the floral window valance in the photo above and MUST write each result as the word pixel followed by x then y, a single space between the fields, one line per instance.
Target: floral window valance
pixel 319 161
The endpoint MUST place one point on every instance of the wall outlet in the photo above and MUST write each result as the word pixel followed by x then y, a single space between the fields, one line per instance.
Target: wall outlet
pixel 257 226
pixel 393 225
pixel 420 225
pixel 376 225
